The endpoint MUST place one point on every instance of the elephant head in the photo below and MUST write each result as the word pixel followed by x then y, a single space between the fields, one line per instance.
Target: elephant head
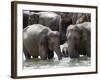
pixel 54 43
pixel 78 38
pixel 73 39
pixel 33 18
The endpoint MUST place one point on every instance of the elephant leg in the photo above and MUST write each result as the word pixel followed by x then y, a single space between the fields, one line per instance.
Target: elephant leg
pixel 64 52
pixel 27 55
pixel 88 52
pixel 50 54
pixel 42 52
pixel 74 54
pixel 43 47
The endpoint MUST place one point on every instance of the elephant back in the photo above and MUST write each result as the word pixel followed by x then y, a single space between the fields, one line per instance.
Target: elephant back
pixel 51 20
pixel 31 37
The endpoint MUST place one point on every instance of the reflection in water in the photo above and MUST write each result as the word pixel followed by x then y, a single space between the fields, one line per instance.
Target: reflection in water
pixel 55 63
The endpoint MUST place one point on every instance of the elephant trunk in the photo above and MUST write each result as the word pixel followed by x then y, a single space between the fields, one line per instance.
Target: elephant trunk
pixel 58 52
pixel 73 53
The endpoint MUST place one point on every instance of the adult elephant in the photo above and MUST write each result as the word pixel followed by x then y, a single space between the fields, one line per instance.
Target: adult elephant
pixel 39 40
pixel 49 19
pixel 66 20
pixel 33 17
pixel 79 40
pixel 72 18
pixel 83 18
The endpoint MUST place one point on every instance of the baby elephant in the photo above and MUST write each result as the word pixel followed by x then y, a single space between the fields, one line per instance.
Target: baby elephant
pixel 39 40
pixel 64 48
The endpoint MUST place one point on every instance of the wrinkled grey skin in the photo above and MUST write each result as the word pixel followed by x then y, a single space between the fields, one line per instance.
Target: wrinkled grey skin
pixel 33 18
pixel 39 40
pixel 79 39
pixel 49 19
pixel 83 18
pixel 71 18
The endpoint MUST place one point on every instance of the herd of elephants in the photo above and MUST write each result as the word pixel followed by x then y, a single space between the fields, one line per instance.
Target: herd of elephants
pixel 44 33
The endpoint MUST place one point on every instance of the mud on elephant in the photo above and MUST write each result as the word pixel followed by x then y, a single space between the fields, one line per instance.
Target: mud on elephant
pixel 39 40
pixel 79 40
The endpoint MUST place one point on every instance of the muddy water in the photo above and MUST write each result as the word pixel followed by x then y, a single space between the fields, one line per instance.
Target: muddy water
pixel 55 63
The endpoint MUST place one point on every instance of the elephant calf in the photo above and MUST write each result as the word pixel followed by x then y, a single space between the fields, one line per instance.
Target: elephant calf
pixel 79 40
pixel 64 48
pixel 39 40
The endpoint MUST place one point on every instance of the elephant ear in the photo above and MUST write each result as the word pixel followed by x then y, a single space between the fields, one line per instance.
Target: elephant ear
pixel 86 34
pixel 44 37
pixel 80 31
pixel 68 30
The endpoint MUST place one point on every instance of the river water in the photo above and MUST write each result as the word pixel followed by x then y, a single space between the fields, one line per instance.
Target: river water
pixel 55 63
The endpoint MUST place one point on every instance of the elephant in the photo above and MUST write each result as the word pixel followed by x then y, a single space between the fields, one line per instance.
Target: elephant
pixel 83 18
pixel 53 21
pixel 49 19
pixel 39 40
pixel 33 18
pixel 79 40
pixel 68 18
pixel 64 49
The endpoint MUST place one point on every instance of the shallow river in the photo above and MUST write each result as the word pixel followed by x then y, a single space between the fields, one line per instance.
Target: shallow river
pixel 55 63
